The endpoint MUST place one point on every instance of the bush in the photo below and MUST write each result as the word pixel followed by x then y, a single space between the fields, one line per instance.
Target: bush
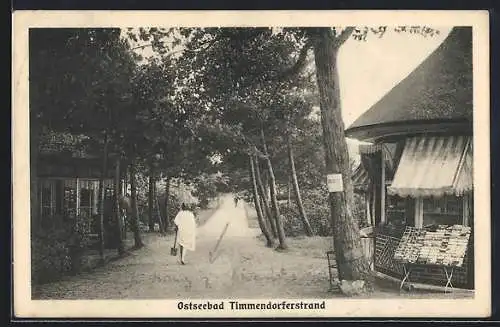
pixel 174 205
pixel 291 221
pixel 317 209
pixel 50 255
pixel 315 203
pixel 319 218
pixel 58 249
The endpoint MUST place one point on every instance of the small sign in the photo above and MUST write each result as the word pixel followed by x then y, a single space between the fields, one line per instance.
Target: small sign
pixel 334 183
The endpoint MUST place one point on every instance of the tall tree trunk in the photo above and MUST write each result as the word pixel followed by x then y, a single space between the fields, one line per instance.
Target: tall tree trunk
pixel 263 196
pixel 295 182
pixel 351 262
pixel 123 171
pixel 167 196
pixel 156 208
pixel 151 198
pixel 260 218
pixel 125 211
pixel 289 200
pixel 274 200
pixel 265 179
pixel 102 196
pixel 267 219
pixel 160 218
pixel 117 212
pixel 134 220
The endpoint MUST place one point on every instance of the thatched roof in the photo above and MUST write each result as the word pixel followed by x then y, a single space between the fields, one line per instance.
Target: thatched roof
pixel 438 90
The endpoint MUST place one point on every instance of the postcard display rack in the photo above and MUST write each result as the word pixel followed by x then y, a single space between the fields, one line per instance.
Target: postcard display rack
pixel 443 247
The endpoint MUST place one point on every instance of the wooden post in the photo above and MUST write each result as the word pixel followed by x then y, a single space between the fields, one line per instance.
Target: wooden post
pixel 102 196
pixel 40 203
pixel 151 197
pixel 419 212
pixel 77 196
pixel 289 191
pixel 117 213
pixel 465 211
pixel 95 205
pixel 368 209
pixel 382 187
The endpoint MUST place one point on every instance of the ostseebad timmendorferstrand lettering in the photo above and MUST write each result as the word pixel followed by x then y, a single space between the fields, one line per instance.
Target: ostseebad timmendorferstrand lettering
pixel 236 305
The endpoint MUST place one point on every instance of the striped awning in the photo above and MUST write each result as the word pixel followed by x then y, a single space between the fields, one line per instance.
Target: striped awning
pixel 388 150
pixel 370 148
pixel 360 179
pixel 434 166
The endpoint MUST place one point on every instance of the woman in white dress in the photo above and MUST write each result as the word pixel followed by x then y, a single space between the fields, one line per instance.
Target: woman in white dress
pixel 186 231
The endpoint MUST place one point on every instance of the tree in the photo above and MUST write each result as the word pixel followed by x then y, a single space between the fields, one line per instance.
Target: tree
pixel 351 263
pixel 134 221
pixel 245 99
pixel 305 221
pixel 262 223
pixel 274 200
pixel 102 198
pixel 117 209
pixel 79 83
pixel 265 201
pixel 151 197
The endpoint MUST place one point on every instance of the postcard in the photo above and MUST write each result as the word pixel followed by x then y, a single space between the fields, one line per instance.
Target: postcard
pixel 256 164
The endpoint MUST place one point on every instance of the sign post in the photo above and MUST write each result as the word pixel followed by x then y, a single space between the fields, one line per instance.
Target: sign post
pixel 334 183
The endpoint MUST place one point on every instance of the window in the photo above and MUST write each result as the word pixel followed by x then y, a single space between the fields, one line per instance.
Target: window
pixel 88 197
pixel 47 198
pixel 395 203
pixel 448 205
pixel 59 197
pixel 395 209
pixel 446 210
pixel 70 198
pixel 400 210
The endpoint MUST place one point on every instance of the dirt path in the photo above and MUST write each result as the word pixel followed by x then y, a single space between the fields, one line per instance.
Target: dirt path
pixel 231 214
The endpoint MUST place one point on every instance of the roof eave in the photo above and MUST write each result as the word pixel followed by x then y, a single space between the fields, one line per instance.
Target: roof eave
pixel 376 132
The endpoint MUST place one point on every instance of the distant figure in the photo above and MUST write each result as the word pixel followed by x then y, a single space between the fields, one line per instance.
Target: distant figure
pixel 186 231
pixel 236 199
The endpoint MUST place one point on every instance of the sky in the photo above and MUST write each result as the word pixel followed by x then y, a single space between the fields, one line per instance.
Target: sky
pixel 370 69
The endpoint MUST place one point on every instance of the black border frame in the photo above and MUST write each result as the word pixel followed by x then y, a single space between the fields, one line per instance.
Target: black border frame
pixel 490 5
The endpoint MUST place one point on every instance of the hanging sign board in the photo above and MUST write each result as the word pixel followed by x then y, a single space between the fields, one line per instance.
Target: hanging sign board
pixel 334 183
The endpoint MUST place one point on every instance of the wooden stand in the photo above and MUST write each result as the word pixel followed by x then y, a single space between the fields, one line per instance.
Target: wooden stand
pixel 448 270
pixel 330 255
pixel 406 276
pixel 449 275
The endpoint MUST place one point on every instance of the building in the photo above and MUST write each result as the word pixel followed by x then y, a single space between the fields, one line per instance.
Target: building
pixel 68 182
pixel 417 171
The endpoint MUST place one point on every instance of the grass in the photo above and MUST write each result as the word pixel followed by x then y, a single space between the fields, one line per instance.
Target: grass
pixel 253 221
pixel 314 246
